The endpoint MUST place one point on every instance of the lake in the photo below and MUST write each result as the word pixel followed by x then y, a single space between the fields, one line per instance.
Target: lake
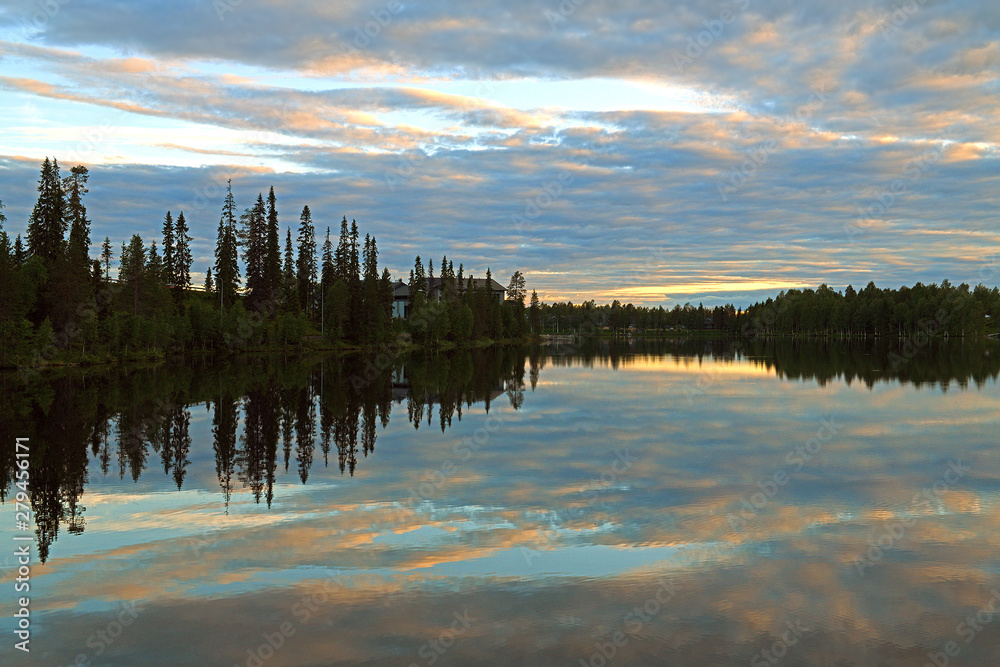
pixel 584 503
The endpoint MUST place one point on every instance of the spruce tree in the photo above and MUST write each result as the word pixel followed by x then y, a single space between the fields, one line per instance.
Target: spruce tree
pixel 47 224
pixel 227 270
pixel 106 256
pixel 182 255
pixel 288 272
pixel 169 263
pixel 253 238
pixel 329 275
pixel 272 261
pixel 75 186
pixel 305 265
pixel 342 256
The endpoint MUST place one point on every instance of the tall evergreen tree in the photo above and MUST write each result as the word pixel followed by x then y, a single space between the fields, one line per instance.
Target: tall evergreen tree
pixel 19 251
pixel 342 256
pixel 47 224
pixel 305 265
pixel 354 270
pixel 253 238
pixel 328 273
pixel 288 271
pixel 208 280
pixel 182 255
pixel 169 263
pixel 272 260
pixel 106 256
pixel 75 186
pixel 132 268
pixel 227 270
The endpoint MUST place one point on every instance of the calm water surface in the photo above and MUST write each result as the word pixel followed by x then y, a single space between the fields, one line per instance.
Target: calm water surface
pixel 585 504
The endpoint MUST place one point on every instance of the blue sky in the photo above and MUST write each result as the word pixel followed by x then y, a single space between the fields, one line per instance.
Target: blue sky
pixel 652 152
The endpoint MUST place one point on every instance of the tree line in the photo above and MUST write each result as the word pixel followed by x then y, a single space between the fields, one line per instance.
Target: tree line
pixel 930 310
pixel 57 302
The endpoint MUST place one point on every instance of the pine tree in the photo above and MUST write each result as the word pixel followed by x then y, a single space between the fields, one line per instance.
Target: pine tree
pixel 75 186
pixel 182 255
pixel 305 265
pixel 47 224
pixel 208 280
pixel 169 262
pixel 227 270
pixel 272 260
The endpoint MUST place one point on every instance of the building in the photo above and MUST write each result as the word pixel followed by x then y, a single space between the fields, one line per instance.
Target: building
pixel 401 293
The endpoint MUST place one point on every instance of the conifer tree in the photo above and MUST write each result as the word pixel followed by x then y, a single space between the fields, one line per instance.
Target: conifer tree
pixel 132 268
pixel 305 265
pixel 106 256
pixel 288 271
pixel 169 263
pixel 227 270
pixel 182 255
pixel 253 238
pixel 75 186
pixel 342 256
pixel 328 274
pixel 272 259
pixel 47 224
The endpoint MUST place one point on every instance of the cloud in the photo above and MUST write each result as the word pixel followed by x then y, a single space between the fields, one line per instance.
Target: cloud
pixel 802 144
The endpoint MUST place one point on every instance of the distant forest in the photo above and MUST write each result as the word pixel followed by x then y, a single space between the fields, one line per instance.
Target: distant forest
pixel 927 310
pixel 59 304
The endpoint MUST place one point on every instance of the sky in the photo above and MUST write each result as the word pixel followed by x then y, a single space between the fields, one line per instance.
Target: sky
pixel 652 152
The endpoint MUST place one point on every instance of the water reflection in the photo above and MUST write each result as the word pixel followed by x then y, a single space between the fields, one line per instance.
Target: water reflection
pixel 336 403
pixel 634 475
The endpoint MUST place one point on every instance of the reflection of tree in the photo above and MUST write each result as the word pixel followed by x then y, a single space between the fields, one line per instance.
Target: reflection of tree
pixel 305 427
pixel 125 414
pixel 224 443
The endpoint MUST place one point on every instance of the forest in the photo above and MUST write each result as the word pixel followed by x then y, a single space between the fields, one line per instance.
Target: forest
pixel 58 304
pixel 928 310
